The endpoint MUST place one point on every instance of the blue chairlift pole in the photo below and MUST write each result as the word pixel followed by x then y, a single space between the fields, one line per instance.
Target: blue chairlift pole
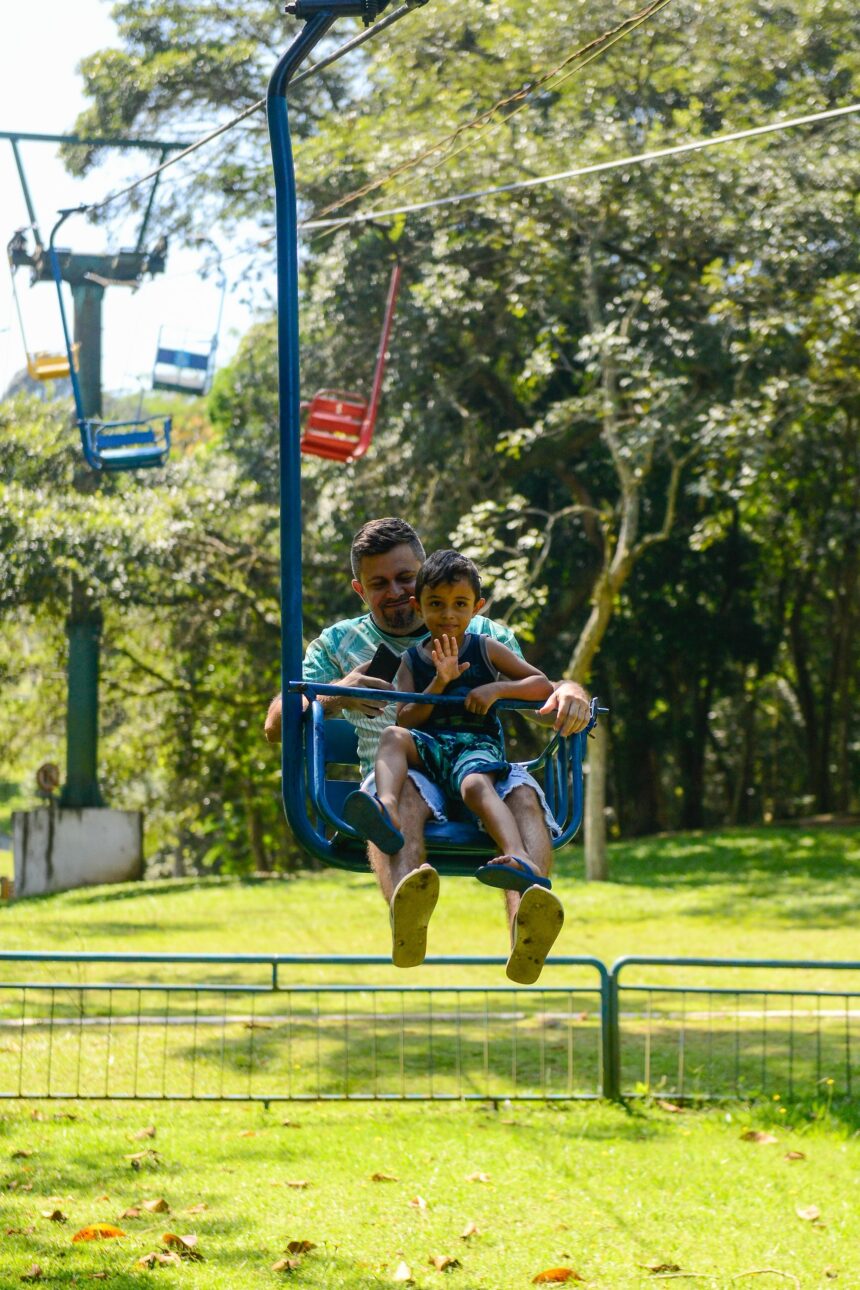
pixel 286 222
pixel 319 15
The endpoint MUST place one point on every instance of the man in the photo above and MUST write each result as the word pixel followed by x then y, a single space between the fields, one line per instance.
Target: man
pixel 386 556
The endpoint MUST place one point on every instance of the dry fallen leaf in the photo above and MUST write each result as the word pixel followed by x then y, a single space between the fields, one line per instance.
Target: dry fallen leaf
pixel 811 1213
pixel 831 1273
pixel 157 1206
pixel 248 1133
pixel 140 1158
pixel 55 1215
pixel 97 1232
pixel 21 1155
pixel 99 1276
pixel 763 1138
pixel 297 1184
pixel 131 1212
pixel 671 1107
pixel 185 1246
pixel 104 1197
pixel 403 1274
pixel 156 1258
pixel 33 1273
pixel 199 1208
pixel 556 1275
pixel 20 1231
pixel 444 1262
pixel 656 1269
pixel 148 1132
pixel 471 1229
pixel 286 1265
pixel 383 1178
pixel 478 1178
pixel 795 1155
pixel 418 1202
pixel 300 1247
pixel 290 1124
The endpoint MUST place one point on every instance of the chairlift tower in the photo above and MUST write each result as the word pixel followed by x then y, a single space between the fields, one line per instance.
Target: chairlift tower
pixel 89 275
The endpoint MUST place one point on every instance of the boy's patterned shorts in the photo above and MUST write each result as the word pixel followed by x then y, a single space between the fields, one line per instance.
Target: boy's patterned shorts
pixel 448 758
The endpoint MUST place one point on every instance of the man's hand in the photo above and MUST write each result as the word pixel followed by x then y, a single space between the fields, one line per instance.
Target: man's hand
pixel 358 679
pixel 570 706
pixel 333 703
pixel 482 698
pixel 445 657
pixel 272 727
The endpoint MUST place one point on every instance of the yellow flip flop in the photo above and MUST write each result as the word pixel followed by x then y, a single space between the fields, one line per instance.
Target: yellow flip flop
pixel 412 905
pixel 538 922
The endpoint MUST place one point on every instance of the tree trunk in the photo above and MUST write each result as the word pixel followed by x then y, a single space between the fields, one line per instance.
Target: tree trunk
pixel 596 863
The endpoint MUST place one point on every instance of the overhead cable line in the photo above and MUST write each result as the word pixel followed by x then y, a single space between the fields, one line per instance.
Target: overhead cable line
pixel 634 22
pixel 313 70
pixel 696 145
pixel 520 97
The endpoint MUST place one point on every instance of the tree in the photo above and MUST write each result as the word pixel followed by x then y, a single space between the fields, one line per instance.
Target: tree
pixel 579 374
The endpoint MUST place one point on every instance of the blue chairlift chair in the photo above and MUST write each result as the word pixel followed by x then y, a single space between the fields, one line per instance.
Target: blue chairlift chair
pixel 109 445
pixel 456 847
pixel 313 798
pixel 185 364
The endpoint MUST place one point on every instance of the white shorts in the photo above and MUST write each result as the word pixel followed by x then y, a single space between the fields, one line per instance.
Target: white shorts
pixel 517 777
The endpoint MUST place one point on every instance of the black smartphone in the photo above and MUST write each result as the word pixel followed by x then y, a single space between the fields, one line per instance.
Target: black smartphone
pixel 384 663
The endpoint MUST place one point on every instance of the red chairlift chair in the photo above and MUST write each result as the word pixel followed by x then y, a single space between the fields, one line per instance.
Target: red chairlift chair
pixel 340 424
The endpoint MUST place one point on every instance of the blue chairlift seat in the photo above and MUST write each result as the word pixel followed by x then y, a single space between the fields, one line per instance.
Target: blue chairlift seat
pixel 127 445
pixel 183 369
pixel 456 847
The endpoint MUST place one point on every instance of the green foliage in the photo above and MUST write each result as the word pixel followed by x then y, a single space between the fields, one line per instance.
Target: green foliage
pixel 560 355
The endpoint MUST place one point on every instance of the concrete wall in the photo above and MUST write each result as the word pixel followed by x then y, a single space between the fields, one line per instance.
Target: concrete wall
pixel 57 850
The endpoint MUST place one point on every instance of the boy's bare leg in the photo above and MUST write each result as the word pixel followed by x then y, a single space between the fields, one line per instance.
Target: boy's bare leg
pixel 480 796
pixel 396 753
pixel 389 870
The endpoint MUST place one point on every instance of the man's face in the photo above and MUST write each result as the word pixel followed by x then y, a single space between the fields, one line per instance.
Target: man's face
pixel 387 587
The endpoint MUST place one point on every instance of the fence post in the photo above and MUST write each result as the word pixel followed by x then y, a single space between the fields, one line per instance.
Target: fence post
pixel 611 1037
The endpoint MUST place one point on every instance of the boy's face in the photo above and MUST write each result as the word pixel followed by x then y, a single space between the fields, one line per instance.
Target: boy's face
pixel 448 608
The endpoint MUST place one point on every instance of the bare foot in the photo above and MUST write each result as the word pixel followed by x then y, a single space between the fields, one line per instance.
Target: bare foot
pixel 517 861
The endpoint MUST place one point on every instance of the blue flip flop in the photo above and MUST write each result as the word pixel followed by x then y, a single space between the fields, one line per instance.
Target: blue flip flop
pixel 368 816
pixel 510 878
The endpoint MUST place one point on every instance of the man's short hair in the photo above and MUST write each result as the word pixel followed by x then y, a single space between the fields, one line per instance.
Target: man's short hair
pixel 444 567
pixel 378 537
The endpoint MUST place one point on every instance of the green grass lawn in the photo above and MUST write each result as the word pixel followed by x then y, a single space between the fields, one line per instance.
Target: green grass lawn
pixel 596 1188
pixel 787 893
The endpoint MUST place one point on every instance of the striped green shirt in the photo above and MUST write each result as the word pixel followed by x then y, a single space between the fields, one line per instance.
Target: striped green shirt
pixel 347 644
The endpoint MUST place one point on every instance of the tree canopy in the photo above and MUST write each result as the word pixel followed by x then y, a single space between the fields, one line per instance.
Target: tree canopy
pixel 632 397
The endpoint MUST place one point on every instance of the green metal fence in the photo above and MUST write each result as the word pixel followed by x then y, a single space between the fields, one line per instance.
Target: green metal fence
pixel 270 1028
pixel 296 1028
pixel 740 1028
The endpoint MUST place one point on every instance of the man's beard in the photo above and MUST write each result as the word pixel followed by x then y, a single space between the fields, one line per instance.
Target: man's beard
pixel 401 618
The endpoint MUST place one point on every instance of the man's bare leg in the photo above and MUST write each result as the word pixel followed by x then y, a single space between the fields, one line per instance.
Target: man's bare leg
pixel 389 870
pixel 408 884
pixel 535 918
pixel 527 811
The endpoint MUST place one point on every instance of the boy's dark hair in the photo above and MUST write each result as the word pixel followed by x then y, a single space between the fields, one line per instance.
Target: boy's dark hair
pixel 444 567
pixel 378 537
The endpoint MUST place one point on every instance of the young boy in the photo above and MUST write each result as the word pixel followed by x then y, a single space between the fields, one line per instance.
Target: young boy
pixel 461 748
